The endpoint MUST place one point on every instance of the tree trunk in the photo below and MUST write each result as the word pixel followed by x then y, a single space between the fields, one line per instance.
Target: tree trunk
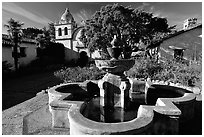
pixel 15 51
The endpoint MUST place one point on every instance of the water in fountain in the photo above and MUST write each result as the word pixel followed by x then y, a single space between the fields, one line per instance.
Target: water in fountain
pixel 94 111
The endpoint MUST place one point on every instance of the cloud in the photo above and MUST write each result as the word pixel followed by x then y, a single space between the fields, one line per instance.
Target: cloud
pixel 82 15
pixel 152 8
pixel 158 14
pixel 15 9
pixel 144 4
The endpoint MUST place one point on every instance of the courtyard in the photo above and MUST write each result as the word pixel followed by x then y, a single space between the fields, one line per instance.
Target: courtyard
pixel 102 68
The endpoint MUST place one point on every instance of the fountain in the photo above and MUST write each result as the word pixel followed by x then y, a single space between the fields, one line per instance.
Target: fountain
pixel 117 104
pixel 113 105
pixel 117 111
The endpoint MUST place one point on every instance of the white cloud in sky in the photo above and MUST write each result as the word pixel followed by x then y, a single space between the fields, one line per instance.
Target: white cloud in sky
pixel 82 15
pixel 15 9
pixel 144 4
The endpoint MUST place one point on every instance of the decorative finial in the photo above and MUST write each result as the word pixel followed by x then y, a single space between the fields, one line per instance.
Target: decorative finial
pixel 114 42
pixel 67 10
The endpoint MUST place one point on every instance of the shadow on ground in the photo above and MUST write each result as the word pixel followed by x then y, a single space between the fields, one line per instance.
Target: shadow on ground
pixel 18 90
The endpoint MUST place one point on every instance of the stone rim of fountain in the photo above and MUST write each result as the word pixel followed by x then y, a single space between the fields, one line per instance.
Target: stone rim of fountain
pixel 139 124
pixel 164 106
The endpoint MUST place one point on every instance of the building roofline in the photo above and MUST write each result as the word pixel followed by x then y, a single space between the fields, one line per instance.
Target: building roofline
pixel 181 31
pixel 76 31
pixel 175 34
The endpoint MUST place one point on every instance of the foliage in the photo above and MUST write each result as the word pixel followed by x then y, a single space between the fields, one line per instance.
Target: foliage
pixel 51 31
pixel 54 51
pixel 169 70
pixel 48 35
pixel 144 68
pixel 6 67
pixel 14 29
pixel 83 59
pixel 78 74
pixel 31 33
pixel 129 25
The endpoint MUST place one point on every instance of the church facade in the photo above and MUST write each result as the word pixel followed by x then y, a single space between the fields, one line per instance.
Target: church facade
pixel 67 33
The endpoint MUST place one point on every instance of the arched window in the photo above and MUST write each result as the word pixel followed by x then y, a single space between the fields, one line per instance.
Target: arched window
pixel 65 31
pixel 59 32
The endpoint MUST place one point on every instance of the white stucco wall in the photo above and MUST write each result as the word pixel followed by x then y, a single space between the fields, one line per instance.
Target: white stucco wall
pixel 30 54
pixel 63 36
pixel 7 55
pixel 23 61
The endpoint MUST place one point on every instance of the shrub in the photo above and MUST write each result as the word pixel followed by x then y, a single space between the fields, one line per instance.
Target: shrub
pixel 78 74
pixel 169 70
pixel 6 67
pixel 144 68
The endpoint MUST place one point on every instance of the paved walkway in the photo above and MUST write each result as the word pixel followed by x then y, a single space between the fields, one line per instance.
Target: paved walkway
pixel 17 90
pixel 12 118
pixel 38 118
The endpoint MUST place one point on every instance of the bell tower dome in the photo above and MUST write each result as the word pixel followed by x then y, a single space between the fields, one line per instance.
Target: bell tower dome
pixel 66 17
pixel 64 28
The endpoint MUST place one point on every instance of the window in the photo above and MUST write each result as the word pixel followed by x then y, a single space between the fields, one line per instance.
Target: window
pixel 23 51
pixel 65 31
pixel 59 32
pixel 178 54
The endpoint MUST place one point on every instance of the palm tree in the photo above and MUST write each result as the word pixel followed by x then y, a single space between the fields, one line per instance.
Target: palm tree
pixel 14 29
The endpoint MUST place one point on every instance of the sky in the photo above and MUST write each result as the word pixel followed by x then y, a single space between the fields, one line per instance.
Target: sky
pixel 39 14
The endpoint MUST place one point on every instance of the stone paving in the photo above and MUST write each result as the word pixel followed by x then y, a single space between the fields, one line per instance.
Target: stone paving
pixel 12 118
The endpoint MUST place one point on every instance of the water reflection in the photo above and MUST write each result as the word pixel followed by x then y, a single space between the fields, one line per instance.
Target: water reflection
pixel 94 111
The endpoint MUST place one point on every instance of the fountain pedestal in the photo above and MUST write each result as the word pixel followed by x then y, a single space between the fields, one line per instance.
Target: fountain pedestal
pixel 114 91
pixel 114 86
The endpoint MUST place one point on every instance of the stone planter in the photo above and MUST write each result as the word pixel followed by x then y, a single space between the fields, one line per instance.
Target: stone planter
pixel 114 52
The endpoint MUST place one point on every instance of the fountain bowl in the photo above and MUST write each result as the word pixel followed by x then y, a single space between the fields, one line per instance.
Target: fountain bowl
pixel 115 66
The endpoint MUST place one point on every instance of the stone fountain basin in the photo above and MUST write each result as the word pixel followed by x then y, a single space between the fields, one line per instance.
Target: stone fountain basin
pixel 79 125
pixel 61 98
pixel 165 112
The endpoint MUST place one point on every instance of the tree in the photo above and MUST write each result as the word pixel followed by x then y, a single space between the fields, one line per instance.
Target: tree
pixel 31 32
pixel 131 26
pixel 47 36
pixel 51 30
pixel 14 29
